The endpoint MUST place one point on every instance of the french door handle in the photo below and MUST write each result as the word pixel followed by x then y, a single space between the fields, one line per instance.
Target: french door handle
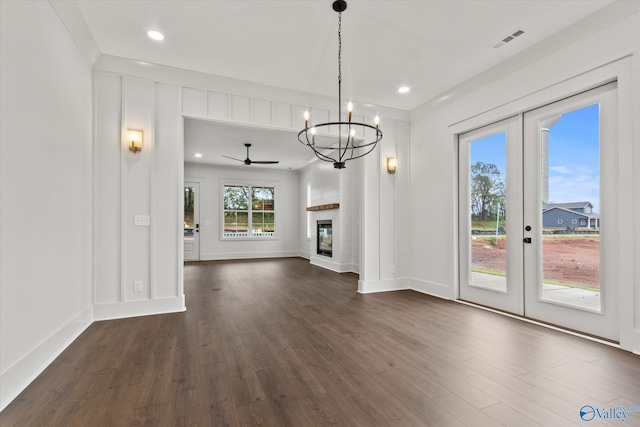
pixel 527 240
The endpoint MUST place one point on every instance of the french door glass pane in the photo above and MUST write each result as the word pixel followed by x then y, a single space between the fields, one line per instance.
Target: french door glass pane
pixel 189 199
pixel 488 212
pixel 570 188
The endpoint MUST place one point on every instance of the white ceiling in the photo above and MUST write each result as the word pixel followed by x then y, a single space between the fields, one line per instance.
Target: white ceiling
pixel 430 46
pixel 213 140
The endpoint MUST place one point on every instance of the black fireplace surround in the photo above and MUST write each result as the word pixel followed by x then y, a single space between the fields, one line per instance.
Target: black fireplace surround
pixel 324 240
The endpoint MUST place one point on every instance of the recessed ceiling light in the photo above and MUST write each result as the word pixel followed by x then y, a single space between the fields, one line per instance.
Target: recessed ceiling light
pixel 198 155
pixel 403 89
pixel 156 35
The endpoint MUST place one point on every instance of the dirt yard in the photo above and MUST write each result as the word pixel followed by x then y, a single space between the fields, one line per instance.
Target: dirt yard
pixel 567 260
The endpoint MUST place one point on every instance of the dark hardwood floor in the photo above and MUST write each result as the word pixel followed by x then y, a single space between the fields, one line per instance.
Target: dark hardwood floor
pixel 284 343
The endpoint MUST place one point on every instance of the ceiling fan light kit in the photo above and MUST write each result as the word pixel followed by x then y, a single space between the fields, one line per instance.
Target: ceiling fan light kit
pixel 347 147
pixel 250 162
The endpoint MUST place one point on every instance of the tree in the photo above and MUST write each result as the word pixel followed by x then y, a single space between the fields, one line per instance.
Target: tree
pixel 487 190
pixel 189 199
pixel 236 198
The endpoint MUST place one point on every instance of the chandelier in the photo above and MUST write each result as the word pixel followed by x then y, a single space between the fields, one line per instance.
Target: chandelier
pixel 347 147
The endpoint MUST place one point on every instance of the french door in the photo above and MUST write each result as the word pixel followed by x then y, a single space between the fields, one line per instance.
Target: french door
pixel 536 198
pixel 191 221
pixel 490 203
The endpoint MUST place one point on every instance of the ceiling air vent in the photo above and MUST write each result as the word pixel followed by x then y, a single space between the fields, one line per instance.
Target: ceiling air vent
pixel 510 37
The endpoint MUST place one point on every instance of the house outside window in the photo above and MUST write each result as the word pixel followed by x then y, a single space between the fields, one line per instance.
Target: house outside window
pixel 249 211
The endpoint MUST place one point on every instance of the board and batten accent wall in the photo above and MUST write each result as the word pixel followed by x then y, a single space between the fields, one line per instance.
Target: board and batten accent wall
pixel 130 184
pixel 202 103
pixel 156 99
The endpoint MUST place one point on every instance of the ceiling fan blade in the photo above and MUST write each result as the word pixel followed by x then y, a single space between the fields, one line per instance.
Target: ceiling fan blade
pixel 233 158
pixel 249 162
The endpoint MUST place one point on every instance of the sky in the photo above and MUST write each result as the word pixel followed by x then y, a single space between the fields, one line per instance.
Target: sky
pixel 574 156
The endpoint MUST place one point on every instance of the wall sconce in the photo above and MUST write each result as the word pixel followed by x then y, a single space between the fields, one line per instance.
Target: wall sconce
pixel 134 140
pixel 392 164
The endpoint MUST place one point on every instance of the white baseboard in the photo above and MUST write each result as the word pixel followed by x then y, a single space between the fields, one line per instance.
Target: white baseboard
pixel 387 285
pixel 121 310
pixel 431 288
pixel 248 255
pixel 390 285
pixel 355 268
pixel 15 379
pixel 329 264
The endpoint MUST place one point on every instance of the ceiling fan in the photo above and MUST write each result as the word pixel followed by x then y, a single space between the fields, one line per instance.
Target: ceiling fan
pixel 248 161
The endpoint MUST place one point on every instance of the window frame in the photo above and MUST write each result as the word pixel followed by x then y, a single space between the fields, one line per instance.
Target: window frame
pixel 250 211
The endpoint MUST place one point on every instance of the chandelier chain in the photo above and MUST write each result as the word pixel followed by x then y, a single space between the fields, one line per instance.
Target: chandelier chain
pixel 348 146
pixel 340 47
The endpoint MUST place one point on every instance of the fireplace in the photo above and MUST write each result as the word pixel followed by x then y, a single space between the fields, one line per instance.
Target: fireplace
pixel 325 238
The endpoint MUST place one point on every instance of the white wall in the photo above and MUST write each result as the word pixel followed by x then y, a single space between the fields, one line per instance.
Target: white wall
pixel 368 197
pixel 568 62
pixel 287 204
pixel 45 192
pixel 327 185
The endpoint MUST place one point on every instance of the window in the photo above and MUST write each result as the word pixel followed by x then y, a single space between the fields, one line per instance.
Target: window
pixel 574 221
pixel 559 221
pixel 248 211
pixel 583 222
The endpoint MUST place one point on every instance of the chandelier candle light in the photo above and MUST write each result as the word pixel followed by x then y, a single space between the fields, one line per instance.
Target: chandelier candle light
pixel 347 147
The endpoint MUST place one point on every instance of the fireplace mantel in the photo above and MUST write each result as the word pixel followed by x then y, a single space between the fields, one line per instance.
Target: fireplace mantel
pixel 323 207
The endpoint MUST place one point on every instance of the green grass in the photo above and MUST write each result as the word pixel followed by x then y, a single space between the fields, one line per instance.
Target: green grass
pixel 486 225
pixel 544 236
pixel 572 236
pixel 489 236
